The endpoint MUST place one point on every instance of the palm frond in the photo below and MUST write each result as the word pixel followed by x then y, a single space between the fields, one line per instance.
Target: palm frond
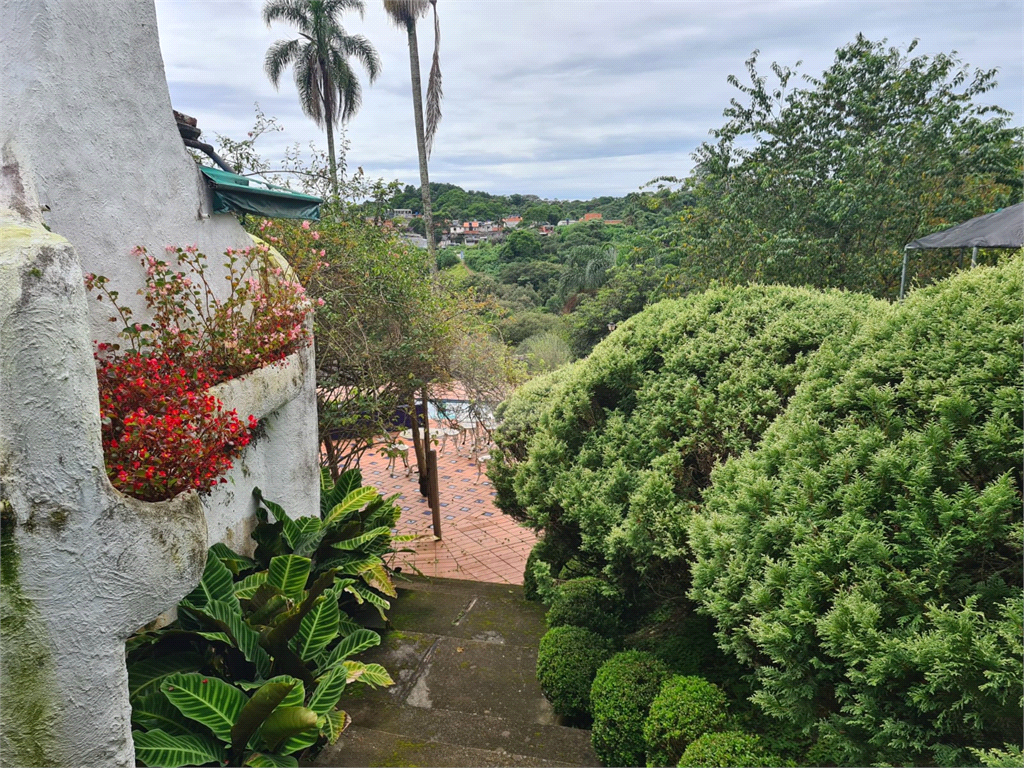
pixel 279 56
pixel 295 12
pixel 404 13
pixel 359 48
pixel 308 83
pixel 434 91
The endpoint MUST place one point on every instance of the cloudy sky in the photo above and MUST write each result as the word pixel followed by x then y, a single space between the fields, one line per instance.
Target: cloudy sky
pixel 565 99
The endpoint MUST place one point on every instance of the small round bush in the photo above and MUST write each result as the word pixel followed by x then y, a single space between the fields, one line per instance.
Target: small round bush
pixel 685 709
pixel 729 749
pixel 620 699
pixel 587 602
pixel 567 662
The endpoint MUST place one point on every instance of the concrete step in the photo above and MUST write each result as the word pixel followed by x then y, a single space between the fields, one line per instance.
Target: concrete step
pixel 369 748
pixel 463 656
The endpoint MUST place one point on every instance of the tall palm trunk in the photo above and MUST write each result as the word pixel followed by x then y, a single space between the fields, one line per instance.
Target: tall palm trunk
pixel 333 161
pixel 421 143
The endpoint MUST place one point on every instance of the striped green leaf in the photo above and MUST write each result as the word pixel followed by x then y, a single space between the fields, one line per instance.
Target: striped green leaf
pixel 332 724
pixel 350 645
pixel 284 725
pixel 247 587
pixel 309 533
pixel 235 562
pixel 346 626
pixel 357 542
pixel 363 593
pixel 318 628
pixel 246 639
pixel 333 493
pixel 216 584
pixel 353 502
pixel 328 691
pixel 377 577
pixel 159 748
pixel 207 700
pixel 155 712
pixel 268 760
pixel 144 677
pixel 289 574
pixel 351 563
pixel 256 710
pixel 373 675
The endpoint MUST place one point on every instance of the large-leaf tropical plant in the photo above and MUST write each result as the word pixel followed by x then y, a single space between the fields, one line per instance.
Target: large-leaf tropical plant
pixel 404 14
pixel 329 91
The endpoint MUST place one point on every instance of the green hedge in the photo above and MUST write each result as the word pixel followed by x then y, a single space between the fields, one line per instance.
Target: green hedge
pixel 867 556
pixel 620 698
pixel 684 709
pixel 586 602
pixel 567 662
pixel 728 749
pixel 611 457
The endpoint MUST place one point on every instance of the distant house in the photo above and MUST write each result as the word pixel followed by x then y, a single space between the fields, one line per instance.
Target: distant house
pixel 401 213
pixel 513 221
pixel 613 221
pixel 592 217
pixel 545 229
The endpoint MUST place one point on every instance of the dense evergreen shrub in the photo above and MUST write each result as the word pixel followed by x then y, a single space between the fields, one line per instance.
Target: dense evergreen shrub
pixel 586 602
pixel 867 556
pixel 620 698
pixel 567 662
pixel 684 709
pixel 611 458
pixel 728 748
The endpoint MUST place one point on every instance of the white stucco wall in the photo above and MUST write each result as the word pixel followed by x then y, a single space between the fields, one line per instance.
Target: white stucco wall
pixel 82 565
pixel 84 95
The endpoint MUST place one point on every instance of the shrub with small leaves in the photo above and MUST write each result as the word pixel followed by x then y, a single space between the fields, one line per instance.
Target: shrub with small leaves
pixel 866 557
pixel 567 663
pixel 728 749
pixel 620 700
pixel 685 709
pixel 586 602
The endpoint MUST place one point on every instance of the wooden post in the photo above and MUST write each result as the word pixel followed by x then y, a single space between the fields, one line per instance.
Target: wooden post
pixel 435 494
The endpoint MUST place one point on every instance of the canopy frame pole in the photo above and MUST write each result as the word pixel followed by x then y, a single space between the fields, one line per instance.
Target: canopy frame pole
pixel 974 257
pixel 903 277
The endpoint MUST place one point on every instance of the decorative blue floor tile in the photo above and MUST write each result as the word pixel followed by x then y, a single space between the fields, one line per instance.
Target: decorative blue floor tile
pixel 449 517
pixel 463 509
pixel 479 501
pixel 443 504
pixel 426 511
pixel 488 514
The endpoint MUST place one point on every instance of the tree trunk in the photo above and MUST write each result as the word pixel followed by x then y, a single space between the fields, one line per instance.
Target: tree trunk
pixel 421 143
pixel 330 154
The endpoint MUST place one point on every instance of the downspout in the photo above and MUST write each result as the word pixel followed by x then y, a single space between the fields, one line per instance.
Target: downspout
pixel 209 151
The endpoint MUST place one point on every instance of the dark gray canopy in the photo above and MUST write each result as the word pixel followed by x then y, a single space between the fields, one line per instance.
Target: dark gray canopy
pixel 1002 229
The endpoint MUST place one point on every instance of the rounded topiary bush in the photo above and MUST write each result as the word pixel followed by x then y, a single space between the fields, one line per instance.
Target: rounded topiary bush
pixel 567 662
pixel 685 709
pixel 586 602
pixel 612 457
pixel 867 555
pixel 620 699
pixel 728 749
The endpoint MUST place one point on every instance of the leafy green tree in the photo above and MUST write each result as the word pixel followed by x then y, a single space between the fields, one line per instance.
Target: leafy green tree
pixel 586 269
pixel 823 183
pixel 542 213
pixel 404 14
pixel 520 245
pixel 329 92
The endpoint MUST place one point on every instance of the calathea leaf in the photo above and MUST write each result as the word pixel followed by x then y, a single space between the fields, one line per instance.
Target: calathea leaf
pixel 256 710
pixel 289 573
pixel 332 724
pixel 159 748
pixel 317 629
pixel 154 712
pixel 216 584
pixel 328 691
pixel 333 493
pixel 247 587
pixel 222 617
pixel 352 503
pixel 207 700
pixel 362 540
pixel 284 723
pixel 356 642
pixel 267 760
pixel 144 677
pixel 235 562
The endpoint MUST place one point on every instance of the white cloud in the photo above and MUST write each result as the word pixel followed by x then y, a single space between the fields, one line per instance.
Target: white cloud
pixel 561 98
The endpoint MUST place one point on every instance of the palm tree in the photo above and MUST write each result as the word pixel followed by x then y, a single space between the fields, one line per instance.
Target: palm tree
pixel 404 14
pixel 586 269
pixel 329 91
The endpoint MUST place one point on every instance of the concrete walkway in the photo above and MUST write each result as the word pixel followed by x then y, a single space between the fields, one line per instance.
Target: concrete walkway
pixel 478 542
pixel 463 655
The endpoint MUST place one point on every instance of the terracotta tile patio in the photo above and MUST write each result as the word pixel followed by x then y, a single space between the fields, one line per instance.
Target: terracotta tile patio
pixel 478 542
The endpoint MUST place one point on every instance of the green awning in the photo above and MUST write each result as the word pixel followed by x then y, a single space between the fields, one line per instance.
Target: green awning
pixel 234 193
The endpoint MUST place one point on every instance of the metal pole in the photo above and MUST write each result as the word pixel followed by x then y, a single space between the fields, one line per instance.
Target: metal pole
pixel 903 277
pixel 974 257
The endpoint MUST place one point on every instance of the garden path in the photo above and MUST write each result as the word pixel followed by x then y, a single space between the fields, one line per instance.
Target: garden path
pixel 463 655
pixel 479 542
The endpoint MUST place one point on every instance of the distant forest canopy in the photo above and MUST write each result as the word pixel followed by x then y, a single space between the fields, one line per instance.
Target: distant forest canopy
pixel 811 181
